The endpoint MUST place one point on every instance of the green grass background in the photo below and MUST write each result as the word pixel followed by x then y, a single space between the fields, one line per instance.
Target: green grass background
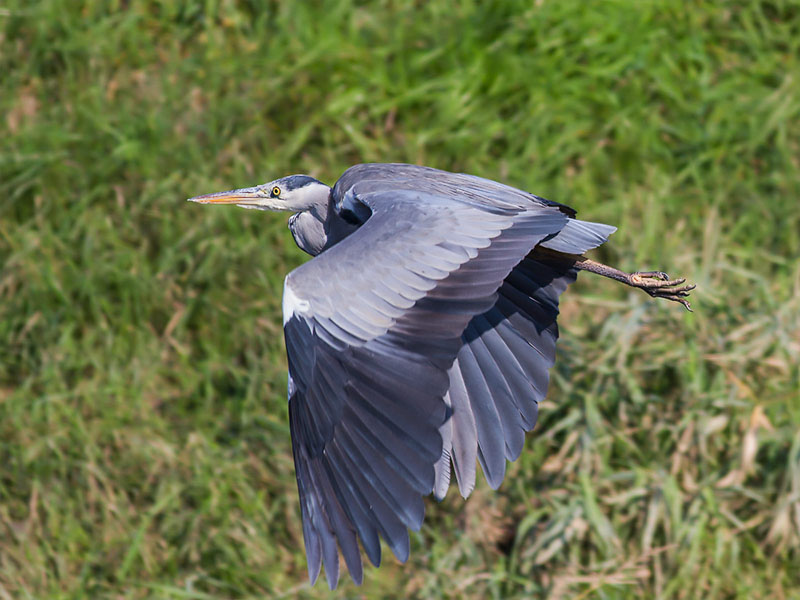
pixel 144 446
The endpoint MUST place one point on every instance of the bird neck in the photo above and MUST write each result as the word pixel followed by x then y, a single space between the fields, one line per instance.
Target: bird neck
pixel 308 232
pixel 318 228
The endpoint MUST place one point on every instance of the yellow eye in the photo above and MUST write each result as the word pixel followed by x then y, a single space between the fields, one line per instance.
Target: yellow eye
pixel 276 191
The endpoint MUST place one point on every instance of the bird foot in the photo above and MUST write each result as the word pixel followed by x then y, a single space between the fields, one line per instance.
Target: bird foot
pixel 659 285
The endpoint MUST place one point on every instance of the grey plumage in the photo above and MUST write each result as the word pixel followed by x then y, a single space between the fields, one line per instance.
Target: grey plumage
pixel 419 339
pixel 437 272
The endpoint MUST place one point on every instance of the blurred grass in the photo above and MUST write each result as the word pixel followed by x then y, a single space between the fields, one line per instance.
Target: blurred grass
pixel 144 444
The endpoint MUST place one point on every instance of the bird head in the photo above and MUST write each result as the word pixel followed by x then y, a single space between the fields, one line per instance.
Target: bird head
pixel 295 193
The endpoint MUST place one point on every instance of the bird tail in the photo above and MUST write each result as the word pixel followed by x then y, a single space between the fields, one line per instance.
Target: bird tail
pixel 577 237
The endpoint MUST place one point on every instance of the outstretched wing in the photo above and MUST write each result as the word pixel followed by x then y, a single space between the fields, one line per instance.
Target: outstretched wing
pixel 372 326
pixel 501 373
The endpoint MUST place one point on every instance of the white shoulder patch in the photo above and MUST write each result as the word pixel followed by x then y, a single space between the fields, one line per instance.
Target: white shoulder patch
pixel 291 303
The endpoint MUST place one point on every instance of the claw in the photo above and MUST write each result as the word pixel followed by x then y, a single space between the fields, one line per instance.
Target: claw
pixel 658 285
pixel 676 296
pixel 685 303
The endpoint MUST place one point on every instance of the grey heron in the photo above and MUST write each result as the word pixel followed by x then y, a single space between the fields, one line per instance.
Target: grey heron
pixel 419 339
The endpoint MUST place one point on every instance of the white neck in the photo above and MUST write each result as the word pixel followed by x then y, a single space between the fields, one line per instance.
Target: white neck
pixel 312 197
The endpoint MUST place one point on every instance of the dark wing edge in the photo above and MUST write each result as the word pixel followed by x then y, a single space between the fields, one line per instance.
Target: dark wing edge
pixel 364 439
pixel 365 416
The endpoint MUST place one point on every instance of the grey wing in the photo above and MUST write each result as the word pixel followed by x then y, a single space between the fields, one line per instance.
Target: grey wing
pixel 501 373
pixel 502 368
pixel 372 327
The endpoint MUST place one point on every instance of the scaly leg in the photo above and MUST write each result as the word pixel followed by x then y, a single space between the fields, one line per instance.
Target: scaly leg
pixel 655 283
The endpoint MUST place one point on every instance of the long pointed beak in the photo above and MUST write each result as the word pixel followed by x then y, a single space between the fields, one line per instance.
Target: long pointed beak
pixel 246 196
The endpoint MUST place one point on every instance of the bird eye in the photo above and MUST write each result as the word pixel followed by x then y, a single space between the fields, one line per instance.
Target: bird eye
pixel 276 191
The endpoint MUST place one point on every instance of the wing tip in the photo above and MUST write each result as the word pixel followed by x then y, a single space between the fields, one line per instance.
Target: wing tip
pixel 313 569
pixel 401 547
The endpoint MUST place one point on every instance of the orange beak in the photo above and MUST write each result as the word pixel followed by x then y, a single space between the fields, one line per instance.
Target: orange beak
pixel 245 196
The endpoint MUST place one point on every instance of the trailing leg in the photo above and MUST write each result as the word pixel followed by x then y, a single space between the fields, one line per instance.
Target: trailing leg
pixel 656 283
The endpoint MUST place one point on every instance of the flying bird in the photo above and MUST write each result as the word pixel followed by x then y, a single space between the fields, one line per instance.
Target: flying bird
pixel 419 339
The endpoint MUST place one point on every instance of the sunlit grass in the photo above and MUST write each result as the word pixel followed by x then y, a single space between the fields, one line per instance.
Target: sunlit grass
pixel 143 431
